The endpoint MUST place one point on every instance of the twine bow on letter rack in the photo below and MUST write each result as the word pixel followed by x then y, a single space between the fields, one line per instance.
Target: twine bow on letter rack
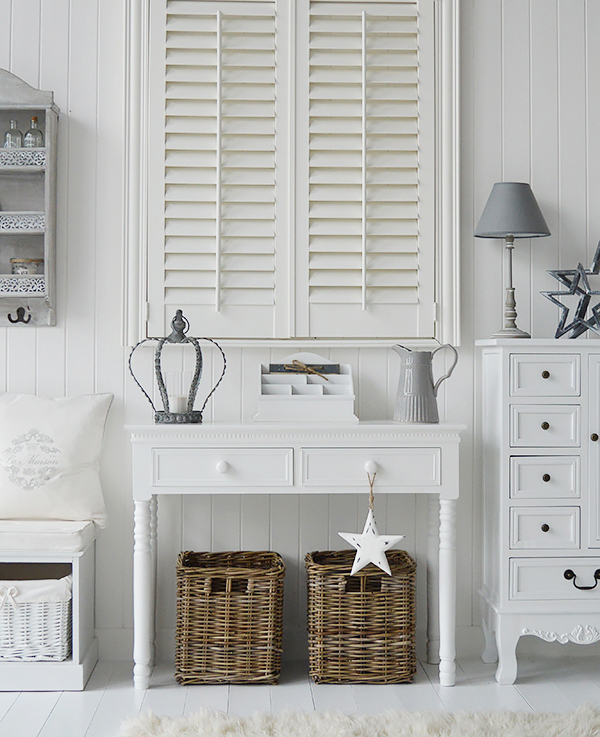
pixel 302 368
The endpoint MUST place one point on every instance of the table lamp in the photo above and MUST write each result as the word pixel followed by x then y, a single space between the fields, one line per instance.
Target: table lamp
pixel 511 212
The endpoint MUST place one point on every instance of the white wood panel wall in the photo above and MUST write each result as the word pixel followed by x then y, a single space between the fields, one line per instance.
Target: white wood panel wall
pixel 530 111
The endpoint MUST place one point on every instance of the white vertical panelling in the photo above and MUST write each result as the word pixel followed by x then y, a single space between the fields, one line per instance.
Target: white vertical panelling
pixel 456 402
pixel 593 130
pixel 249 380
pixel 255 528
pixel 572 132
pixel 531 108
pixel 516 134
pixel 285 539
pixel 227 400
pixel 110 361
pixel 344 515
pixel 54 75
pixel 25 51
pixel 81 227
pixel 487 164
pixel 544 157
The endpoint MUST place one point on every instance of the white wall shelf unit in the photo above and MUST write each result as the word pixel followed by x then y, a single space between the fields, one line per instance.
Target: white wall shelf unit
pixel 27 206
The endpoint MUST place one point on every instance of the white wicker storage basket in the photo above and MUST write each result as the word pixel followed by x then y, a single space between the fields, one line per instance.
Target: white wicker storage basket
pixel 35 619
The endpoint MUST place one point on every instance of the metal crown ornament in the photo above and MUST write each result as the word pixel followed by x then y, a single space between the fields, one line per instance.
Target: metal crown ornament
pixel 178 335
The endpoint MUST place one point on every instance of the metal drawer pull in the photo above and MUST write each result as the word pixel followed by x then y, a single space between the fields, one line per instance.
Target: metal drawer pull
pixel 546 477
pixel 594 436
pixel 545 425
pixel 546 528
pixel 570 576
pixel 545 374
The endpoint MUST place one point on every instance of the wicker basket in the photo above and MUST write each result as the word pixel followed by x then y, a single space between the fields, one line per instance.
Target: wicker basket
pixel 229 617
pixel 361 629
pixel 35 620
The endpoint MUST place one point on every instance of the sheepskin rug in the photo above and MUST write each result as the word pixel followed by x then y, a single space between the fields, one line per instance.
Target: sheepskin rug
pixel 585 722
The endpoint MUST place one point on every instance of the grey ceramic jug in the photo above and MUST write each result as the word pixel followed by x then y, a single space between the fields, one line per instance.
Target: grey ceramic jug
pixel 416 398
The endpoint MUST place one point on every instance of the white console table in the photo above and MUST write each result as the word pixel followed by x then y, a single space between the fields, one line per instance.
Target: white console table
pixel 278 458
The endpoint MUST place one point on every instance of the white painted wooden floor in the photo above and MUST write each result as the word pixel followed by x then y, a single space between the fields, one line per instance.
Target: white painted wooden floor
pixel 544 684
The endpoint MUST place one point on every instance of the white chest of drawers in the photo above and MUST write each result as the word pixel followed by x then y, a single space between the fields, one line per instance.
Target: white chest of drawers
pixel 541 484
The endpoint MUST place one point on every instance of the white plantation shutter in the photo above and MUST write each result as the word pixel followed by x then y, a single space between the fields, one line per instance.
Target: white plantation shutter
pixel 370 243
pixel 215 255
pixel 357 258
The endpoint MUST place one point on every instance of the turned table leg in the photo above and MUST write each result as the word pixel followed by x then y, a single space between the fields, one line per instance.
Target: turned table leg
pixel 447 573
pixel 433 579
pixel 143 599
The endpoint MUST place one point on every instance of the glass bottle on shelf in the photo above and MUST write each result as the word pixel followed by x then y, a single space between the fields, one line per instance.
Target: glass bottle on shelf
pixel 13 138
pixel 34 137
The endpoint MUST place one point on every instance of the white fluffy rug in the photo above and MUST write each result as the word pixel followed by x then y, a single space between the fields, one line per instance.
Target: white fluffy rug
pixel 585 722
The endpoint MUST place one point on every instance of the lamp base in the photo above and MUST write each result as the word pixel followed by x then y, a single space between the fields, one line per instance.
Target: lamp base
pixel 510 329
pixel 511 333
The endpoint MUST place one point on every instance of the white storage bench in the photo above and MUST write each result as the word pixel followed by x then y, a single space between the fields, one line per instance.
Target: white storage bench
pixel 63 653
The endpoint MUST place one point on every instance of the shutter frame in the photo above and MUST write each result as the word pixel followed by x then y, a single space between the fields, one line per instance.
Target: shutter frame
pixel 140 149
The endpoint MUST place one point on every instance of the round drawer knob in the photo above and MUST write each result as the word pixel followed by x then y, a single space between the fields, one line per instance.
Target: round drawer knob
pixel 371 467
pixel 546 477
pixel 545 425
pixel 222 466
pixel 545 527
pixel 594 437
pixel 545 374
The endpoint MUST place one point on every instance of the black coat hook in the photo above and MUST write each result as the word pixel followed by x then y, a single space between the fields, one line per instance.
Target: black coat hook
pixel 20 316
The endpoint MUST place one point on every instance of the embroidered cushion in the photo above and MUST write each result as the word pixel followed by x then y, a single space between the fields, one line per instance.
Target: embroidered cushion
pixel 49 457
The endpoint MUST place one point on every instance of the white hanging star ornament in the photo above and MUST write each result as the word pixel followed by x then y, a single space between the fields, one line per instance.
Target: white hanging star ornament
pixel 370 546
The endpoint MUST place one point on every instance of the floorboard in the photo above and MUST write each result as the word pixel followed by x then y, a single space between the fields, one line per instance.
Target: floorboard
pixel 75 710
pixel 206 697
pixel 28 714
pixel 552 684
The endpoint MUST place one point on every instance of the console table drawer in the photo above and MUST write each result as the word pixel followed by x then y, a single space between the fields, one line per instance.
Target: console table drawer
pixel 223 467
pixel 345 467
pixel 539 579
pixel 544 426
pixel 544 528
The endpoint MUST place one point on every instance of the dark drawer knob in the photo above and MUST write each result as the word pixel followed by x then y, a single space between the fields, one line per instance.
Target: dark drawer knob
pixel 546 477
pixel 594 437
pixel 545 425
pixel 545 374
pixel 570 576
pixel 545 527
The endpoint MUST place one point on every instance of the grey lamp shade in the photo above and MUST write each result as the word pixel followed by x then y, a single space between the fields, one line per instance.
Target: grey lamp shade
pixel 511 209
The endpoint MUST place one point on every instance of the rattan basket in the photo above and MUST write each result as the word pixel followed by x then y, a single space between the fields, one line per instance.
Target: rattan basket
pixel 229 617
pixel 361 628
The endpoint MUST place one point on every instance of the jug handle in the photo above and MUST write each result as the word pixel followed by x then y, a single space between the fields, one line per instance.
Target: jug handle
pixel 450 370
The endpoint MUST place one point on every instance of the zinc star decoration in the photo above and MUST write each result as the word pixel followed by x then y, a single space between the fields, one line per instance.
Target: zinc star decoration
pixel 370 546
pixel 577 283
